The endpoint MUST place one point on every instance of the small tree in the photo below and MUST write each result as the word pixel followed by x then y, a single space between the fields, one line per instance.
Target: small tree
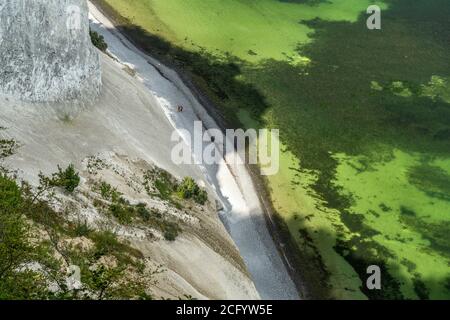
pixel 69 179
pixel 16 250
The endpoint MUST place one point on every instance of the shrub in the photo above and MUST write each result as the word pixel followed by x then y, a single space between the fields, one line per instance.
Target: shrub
pixel 155 219
pixel 69 179
pixel 98 41
pixel 124 214
pixel 7 147
pixel 100 280
pixel 164 183
pixel 189 189
pixel 82 229
pixel 201 197
pixel 108 192
pixel 143 212
pixel 107 243
pixel 171 231
pixel 10 195
pixel 170 235
pixel 16 250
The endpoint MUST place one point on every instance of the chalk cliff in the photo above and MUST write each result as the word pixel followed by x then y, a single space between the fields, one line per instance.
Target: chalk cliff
pixel 46 52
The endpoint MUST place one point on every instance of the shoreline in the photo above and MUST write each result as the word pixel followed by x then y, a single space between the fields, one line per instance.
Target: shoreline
pixel 218 121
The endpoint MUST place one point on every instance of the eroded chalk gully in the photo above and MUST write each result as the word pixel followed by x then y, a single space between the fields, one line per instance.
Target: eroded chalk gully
pixel 242 215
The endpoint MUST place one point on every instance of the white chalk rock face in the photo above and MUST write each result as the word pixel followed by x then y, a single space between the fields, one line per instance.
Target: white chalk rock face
pixel 46 54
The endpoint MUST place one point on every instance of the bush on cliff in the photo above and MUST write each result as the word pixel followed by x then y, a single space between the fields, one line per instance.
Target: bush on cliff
pixel 69 179
pixel 189 189
pixel 98 41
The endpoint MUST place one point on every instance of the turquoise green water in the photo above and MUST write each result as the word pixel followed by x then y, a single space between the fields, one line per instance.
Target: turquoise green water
pixel 364 118
pixel 252 30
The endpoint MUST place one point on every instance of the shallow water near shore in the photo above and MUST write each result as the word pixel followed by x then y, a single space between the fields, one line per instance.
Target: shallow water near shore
pixel 364 118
